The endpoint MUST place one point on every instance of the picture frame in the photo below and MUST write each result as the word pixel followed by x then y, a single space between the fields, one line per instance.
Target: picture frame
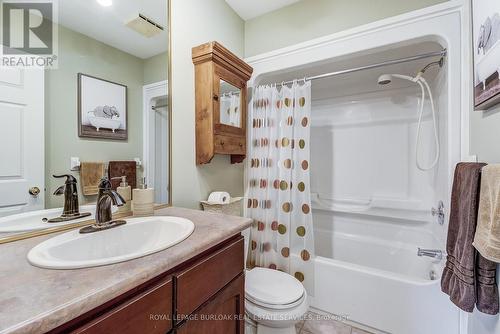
pixel 102 108
pixel 486 53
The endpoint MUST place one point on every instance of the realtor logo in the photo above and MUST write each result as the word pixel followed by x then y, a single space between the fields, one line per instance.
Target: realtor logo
pixel 29 33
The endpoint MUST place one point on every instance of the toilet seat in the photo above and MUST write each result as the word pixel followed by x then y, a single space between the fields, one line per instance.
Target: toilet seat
pixel 273 289
pixel 273 306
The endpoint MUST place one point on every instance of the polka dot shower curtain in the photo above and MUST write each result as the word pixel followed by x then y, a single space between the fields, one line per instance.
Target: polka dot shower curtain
pixel 279 198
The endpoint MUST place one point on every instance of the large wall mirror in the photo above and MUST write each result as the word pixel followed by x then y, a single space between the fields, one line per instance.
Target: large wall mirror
pixel 101 110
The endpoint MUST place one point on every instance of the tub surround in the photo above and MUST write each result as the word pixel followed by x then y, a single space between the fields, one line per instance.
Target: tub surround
pixel 40 300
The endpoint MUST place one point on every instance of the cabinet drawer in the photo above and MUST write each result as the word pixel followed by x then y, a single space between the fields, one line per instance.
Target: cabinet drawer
pixel 229 145
pixel 148 312
pixel 198 283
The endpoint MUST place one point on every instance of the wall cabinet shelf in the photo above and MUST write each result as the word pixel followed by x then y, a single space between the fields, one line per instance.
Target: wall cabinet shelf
pixel 221 89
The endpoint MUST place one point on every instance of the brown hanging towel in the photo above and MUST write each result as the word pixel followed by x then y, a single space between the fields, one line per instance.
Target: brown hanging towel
pixel 467 276
pixel 90 175
pixel 122 168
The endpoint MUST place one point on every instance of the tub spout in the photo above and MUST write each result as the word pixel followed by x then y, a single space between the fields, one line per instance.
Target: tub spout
pixel 434 253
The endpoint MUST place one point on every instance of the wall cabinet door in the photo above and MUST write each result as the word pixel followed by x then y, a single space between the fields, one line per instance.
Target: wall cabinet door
pixel 229 104
pixel 222 314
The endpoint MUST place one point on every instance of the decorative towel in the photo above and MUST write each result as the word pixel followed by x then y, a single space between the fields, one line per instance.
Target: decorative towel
pixel 487 238
pixel 468 278
pixel 121 168
pixel 90 175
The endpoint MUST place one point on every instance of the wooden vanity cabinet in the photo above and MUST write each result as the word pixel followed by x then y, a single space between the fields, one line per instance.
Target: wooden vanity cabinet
pixel 220 77
pixel 203 295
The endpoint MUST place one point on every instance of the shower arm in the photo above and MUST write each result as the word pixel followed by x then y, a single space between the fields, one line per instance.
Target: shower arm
pixel 439 63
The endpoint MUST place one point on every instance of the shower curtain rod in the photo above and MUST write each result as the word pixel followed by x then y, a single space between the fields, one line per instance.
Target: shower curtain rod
pixel 441 53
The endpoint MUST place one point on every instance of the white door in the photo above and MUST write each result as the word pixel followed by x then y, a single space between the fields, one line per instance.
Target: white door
pixel 21 140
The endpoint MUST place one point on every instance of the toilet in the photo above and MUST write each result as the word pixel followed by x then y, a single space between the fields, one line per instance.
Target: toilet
pixel 274 302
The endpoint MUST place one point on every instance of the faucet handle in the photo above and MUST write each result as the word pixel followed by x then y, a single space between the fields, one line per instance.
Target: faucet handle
pixel 69 178
pixel 105 183
pixel 59 191
pixel 439 212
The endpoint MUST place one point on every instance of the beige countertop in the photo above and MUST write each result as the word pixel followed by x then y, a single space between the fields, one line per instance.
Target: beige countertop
pixel 35 300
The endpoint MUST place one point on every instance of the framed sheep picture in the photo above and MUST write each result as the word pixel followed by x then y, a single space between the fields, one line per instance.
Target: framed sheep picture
pixel 102 108
pixel 486 33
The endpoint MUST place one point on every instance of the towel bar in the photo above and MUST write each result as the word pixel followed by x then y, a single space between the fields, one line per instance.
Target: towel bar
pixel 75 164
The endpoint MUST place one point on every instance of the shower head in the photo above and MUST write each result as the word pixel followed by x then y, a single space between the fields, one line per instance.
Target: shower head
pixel 386 79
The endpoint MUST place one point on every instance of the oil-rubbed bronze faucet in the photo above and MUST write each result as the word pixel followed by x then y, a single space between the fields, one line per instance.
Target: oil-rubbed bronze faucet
pixel 71 208
pixel 103 215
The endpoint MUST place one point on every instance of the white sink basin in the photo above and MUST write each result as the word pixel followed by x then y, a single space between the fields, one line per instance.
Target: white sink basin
pixel 34 220
pixel 139 237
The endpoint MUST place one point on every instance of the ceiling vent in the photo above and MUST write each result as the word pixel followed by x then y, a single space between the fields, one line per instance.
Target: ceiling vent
pixel 145 26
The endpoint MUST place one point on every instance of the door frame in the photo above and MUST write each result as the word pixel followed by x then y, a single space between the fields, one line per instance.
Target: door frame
pixel 149 92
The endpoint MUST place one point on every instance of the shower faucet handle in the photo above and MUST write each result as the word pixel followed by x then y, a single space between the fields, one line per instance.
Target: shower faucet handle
pixel 439 213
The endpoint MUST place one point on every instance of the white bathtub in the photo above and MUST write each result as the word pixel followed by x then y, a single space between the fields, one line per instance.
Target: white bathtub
pixel 368 271
pixel 104 123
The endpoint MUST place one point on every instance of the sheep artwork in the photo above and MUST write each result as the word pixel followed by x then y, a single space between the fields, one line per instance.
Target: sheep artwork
pixel 102 108
pixel 106 112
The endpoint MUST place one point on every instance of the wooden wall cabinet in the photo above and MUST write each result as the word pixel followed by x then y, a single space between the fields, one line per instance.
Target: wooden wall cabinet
pixel 221 90
pixel 201 296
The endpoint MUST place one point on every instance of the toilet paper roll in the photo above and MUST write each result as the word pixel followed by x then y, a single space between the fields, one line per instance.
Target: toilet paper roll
pixel 219 197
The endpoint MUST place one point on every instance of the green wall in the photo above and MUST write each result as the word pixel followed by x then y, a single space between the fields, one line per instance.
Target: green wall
pixel 485 135
pixel 79 53
pixel 156 68
pixel 195 22
pixel 308 19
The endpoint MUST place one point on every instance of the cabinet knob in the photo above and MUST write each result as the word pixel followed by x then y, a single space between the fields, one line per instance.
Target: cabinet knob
pixel 222 143
pixel 241 144
pixel 216 97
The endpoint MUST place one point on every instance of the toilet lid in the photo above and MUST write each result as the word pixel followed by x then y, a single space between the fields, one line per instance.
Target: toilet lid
pixel 272 287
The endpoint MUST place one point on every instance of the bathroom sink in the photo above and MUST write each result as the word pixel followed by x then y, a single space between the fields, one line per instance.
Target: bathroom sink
pixel 138 237
pixel 37 220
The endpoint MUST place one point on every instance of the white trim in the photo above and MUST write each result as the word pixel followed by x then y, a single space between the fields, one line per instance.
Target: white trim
pixel 153 85
pixel 149 92
pixel 467 78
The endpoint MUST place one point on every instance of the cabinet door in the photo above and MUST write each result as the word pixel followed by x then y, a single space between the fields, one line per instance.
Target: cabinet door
pixel 200 282
pixel 224 313
pixel 229 103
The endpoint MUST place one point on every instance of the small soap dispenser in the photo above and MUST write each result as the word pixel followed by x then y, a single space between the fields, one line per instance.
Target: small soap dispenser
pixel 126 192
pixel 143 203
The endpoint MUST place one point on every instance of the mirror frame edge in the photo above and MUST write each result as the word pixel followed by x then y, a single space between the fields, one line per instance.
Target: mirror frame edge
pixel 169 101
